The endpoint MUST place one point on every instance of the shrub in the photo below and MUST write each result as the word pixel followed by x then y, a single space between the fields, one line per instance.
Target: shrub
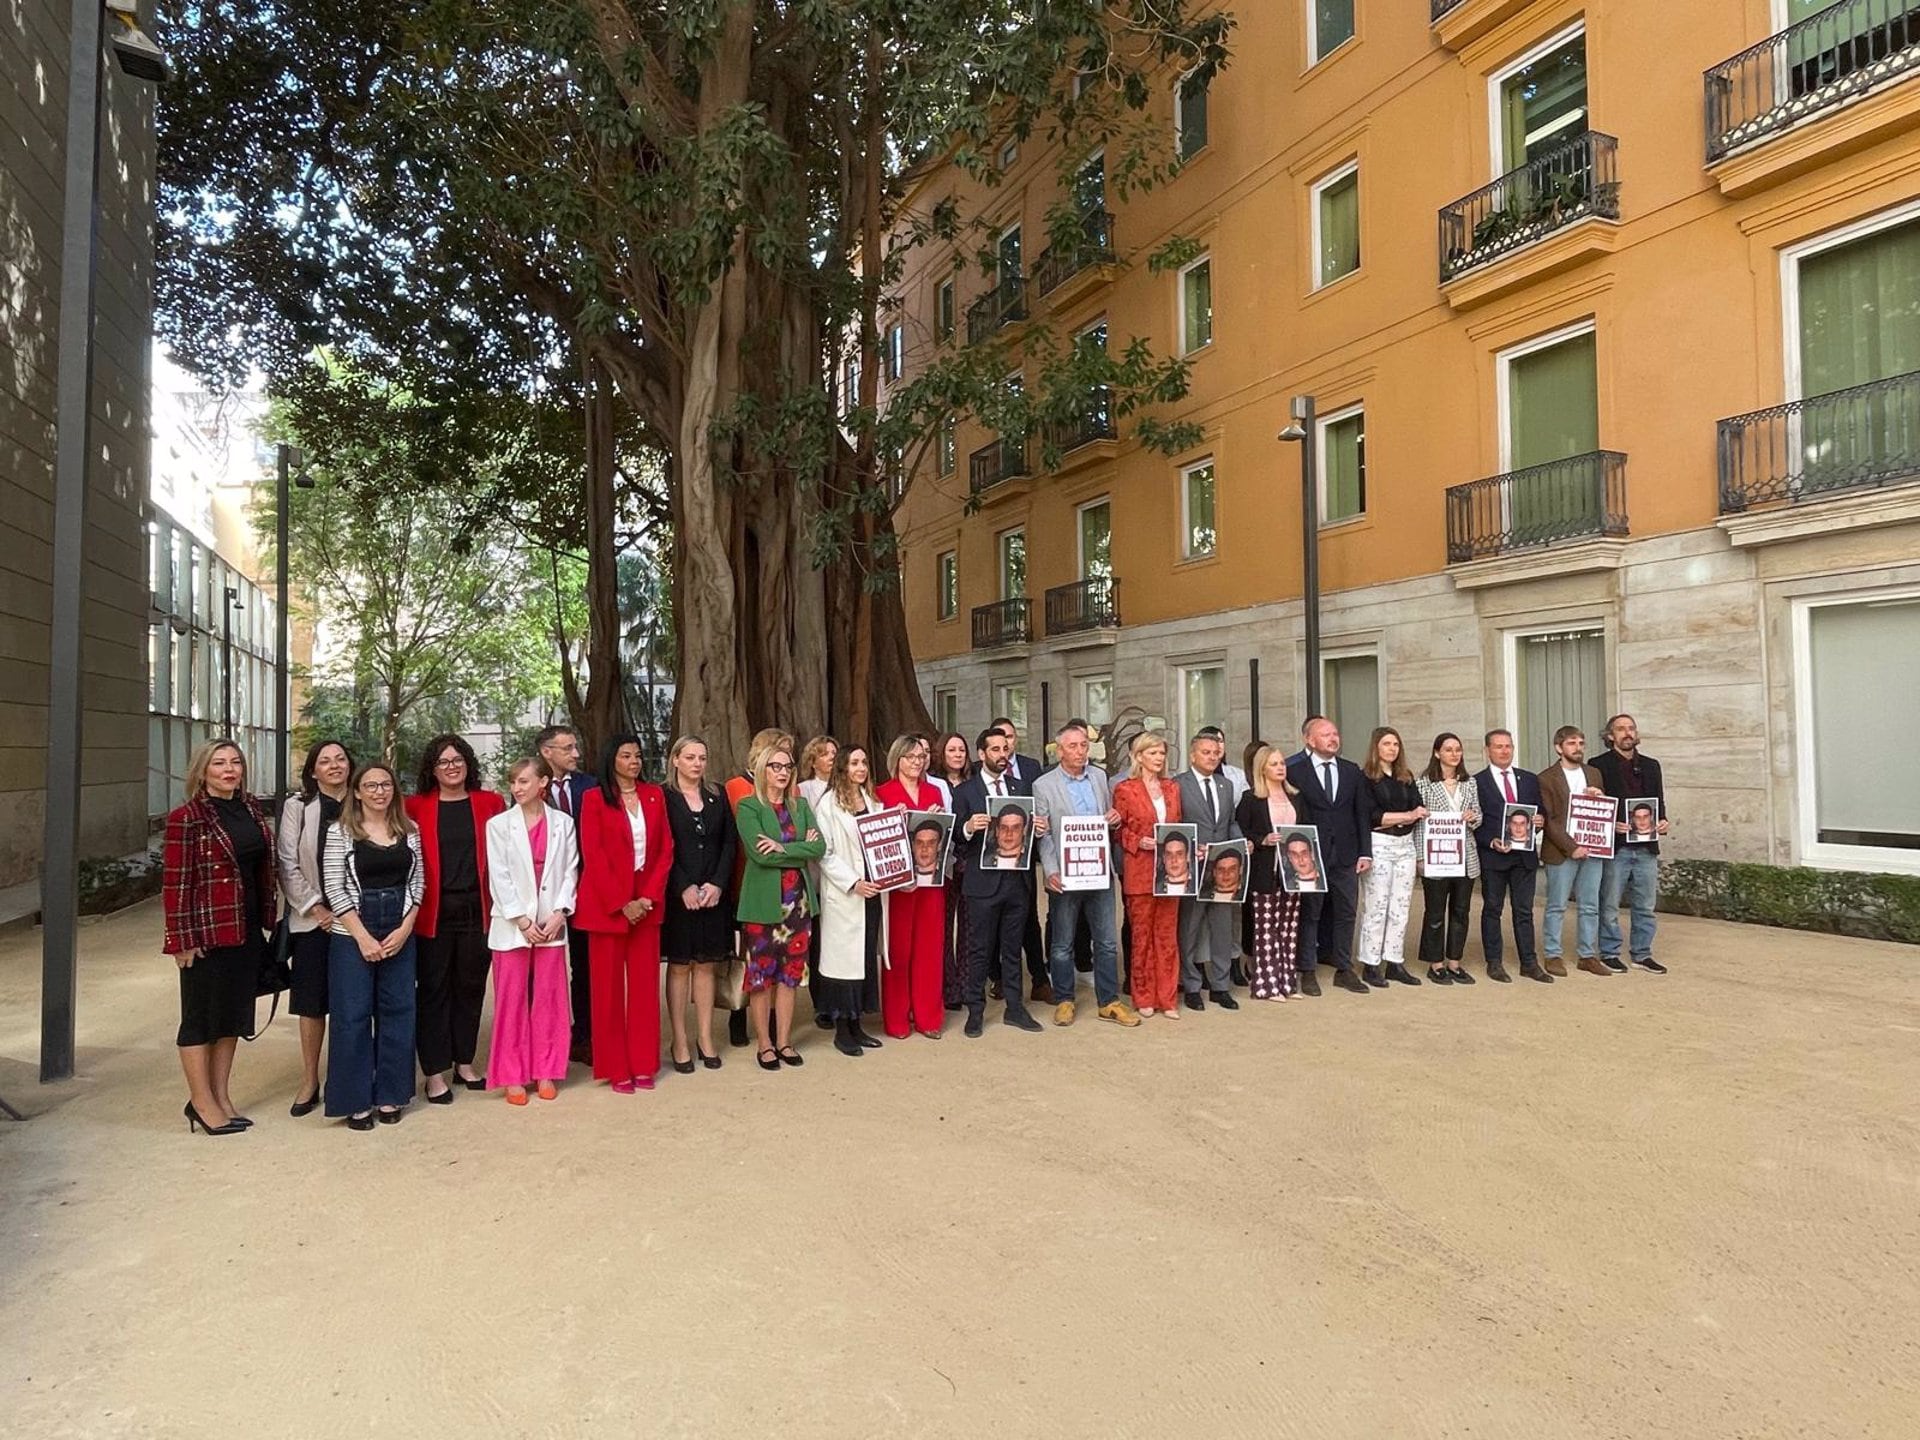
pixel 109 885
pixel 1841 902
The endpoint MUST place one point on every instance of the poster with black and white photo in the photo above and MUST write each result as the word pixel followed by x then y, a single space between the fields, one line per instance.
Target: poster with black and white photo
pixel 930 834
pixel 1007 843
pixel 1641 816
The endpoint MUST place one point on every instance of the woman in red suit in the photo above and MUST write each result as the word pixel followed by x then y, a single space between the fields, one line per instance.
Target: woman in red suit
pixel 910 989
pixel 1147 798
pixel 626 851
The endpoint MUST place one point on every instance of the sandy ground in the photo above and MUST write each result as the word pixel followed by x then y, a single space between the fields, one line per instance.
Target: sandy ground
pixel 1684 1206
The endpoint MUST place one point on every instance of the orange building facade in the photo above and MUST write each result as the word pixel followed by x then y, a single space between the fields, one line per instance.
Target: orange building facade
pixel 1610 317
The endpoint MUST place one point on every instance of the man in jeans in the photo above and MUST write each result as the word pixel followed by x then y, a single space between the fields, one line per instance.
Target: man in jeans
pixel 1074 787
pixel 1572 874
pixel 1633 875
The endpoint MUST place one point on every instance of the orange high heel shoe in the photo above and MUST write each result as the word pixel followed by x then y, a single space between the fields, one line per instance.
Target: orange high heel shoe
pixel 516 1095
pixel 547 1092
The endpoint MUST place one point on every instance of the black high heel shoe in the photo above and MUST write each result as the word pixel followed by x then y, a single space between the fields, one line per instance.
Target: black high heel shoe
pixel 360 1122
pixel 242 1121
pixel 390 1117
pixel 711 1062
pixel 195 1122
pixel 305 1107
pixel 862 1038
pixel 683 1067
pixel 479 1082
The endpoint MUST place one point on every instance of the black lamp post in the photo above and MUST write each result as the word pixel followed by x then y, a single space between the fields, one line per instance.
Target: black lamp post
pixel 1302 431
pixel 291 469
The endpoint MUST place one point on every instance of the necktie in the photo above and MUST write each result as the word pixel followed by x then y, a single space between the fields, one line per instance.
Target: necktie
pixel 1213 804
pixel 1506 784
pixel 1326 777
pixel 998 787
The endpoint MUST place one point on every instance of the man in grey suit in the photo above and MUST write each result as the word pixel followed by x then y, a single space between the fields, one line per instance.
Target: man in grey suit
pixel 1206 929
pixel 1074 787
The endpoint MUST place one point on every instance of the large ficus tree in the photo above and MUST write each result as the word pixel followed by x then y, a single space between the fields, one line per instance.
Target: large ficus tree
pixel 697 203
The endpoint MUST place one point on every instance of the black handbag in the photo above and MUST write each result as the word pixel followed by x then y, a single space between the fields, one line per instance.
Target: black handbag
pixel 275 973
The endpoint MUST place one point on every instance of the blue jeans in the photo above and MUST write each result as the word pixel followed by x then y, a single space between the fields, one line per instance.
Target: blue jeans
pixel 1063 912
pixel 370 1037
pixel 1633 875
pixel 1580 880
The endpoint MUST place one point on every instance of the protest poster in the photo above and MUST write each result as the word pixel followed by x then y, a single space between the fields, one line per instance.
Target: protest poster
pixel 1444 845
pixel 1521 828
pixel 1174 872
pixel 1641 816
pixel 1227 873
pixel 930 833
pixel 1007 843
pixel 1086 852
pixel 1590 822
pixel 884 848
pixel 1301 869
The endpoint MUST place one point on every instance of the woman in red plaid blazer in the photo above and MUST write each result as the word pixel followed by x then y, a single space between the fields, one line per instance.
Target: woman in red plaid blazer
pixel 220 897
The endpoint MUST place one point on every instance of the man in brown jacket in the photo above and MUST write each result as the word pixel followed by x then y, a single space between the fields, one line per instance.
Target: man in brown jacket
pixel 1570 870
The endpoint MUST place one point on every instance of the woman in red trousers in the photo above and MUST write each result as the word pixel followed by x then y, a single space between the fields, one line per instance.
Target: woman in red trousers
pixel 1147 798
pixel 911 987
pixel 626 851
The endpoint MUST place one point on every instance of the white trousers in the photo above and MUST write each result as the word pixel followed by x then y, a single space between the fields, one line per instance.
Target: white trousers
pixel 1386 891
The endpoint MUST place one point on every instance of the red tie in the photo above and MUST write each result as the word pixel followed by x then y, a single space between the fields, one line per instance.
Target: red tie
pixel 1506 784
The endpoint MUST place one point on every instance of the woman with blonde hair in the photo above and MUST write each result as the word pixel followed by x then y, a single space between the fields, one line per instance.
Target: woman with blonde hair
pixel 219 892
pixel 1146 798
pixel 852 928
pixel 374 878
pixel 815 771
pixel 697 937
pixel 533 868
pixel 1387 888
pixel 1264 814
pixel 779 838
pixel 738 788
pixel 912 988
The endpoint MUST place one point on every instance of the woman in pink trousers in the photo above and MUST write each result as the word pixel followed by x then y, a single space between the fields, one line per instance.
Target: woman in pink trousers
pixel 532 868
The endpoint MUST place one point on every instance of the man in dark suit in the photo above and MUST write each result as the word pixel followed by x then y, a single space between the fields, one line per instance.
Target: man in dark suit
pixel 1507 874
pixel 560 747
pixel 999 901
pixel 1023 770
pixel 1206 928
pixel 1334 799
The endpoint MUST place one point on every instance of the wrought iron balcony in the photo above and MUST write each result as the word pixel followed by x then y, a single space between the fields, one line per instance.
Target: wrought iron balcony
pixel 995 463
pixel 1860 438
pixel 1441 7
pixel 1823 61
pixel 1093 423
pixel 1093 246
pixel 1573 180
pixel 1542 505
pixel 1090 604
pixel 1004 622
pixel 1005 304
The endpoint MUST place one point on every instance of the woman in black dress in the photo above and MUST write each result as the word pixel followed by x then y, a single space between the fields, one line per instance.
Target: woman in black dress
pixel 696 936
pixel 219 886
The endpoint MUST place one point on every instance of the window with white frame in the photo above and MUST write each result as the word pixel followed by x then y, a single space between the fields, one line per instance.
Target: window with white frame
pixel 1093 698
pixel 1010 700
pixel 1539 102
pixel 946 708
pixel 1330 25
pixel 1849 647
pixel 1203 700
pixel 1013 564
pixel 1336 224
pixel 1197 534
pixel 1096 539
pixel 947 448
pixel 1196 305
pixel 896 351
pixel 1556 677
pixel 1190 114
pixel 943 311
pixel 947 584
pixel 1343 464
pixel 1350 695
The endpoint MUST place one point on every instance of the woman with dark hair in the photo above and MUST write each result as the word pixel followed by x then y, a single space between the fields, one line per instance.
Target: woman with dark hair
pixel 219 898
pixel 1447 789
pixel 853 921
pixel 304 821
pixel 626 856
pixel 1387 887
pixel 451 811
pixel 697 935
pixel 951 764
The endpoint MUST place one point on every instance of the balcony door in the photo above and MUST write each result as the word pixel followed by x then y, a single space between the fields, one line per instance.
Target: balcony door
pixel 1096 541
pixel 1090 185
pixel 1551 392
pixel 1833 39
pixel 1013 565
pixel 1008 256
pixel 1541 102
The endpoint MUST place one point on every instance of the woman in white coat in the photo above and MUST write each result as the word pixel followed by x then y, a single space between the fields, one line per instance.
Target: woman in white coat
pixel 533 867
pixel 853 922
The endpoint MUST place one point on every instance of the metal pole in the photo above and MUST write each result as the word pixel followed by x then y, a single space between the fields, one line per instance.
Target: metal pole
pixel 60 864
pixel 282 701
pixel 1253 697
pixel 1309 547
pixel 226 660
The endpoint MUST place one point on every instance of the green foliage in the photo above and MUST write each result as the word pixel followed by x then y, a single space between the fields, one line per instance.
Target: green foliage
pixel 1839 902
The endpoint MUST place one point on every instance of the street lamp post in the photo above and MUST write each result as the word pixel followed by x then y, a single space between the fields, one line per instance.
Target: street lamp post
pixel 226 661
pixel 290 469
pixel 1302 431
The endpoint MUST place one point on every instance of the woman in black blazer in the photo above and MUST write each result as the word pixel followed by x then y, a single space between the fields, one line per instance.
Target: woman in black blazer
pixel 1267 808
pixel 696 935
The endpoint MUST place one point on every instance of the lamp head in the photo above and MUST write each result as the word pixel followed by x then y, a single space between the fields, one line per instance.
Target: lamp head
pixel 136 51
pixel 1293 432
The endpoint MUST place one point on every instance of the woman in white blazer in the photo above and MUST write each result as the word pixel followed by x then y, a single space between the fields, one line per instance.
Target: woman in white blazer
pixel 297 841
pixel 533 867
pixel 853 921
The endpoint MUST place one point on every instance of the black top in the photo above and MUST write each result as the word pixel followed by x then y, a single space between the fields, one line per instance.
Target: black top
pixel 704 846
pixel 459 869
pixel 1639 780
pixel 329 812
pixel 1395 796
pixel 249 843
pixel 382 867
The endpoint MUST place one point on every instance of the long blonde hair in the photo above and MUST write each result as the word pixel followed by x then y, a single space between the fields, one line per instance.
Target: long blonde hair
pixel 853 798
pixel 203 757
pixel 1257 774
pixel 353 819
pixel 707 787
pixel 760 773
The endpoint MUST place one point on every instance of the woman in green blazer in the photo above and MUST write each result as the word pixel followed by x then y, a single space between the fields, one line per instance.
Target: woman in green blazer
pixel 777 837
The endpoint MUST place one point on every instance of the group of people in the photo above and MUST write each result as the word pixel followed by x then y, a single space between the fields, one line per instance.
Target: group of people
pixel 571 892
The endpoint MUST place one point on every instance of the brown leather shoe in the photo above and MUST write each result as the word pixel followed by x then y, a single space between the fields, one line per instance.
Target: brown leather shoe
pixel 1063 1013
pixel 1120 1013
pixel 1593 966
pixel 1042 993
pixel 1556 966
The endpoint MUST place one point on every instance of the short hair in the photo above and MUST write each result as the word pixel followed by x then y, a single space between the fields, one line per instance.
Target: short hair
pixel 1638 808
pixel 1206 732
pixel 1074 724
pixel 1176 837
pixel 760 773
pixel 1003 722
pixel 203 757
pixel 529 762
pixel 428 781
pixel 1146 740
pixel 1613 720
pixel 1567 732
pixel 1234 855
pixel 921 827
pixel 897 751
pixel 1308 723
pixel 550 733
pixel 812 752
pixel 987 734
pixel 1297 837
pixel 354 821
pixel 1488 738
pixel 310 787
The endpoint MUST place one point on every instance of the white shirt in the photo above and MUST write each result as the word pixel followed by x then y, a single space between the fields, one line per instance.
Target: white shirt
pixel 997 785
pixel 637 821
pixel 1327 767
pixel 1503 782
pixel 1159 799
pixel 1576 777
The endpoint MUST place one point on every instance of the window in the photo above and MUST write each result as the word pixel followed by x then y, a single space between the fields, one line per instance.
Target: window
pixel 1093 699
pixel 850 386
pixel 1013 565
pixel 1010 700
pixel 947 448
pixel 1009 153
pixel 1336 225
pixel 947 584
pixel 1343 465
pixel 1350 691
pixel 1090 184
pixel 1096 540
pixel 1008 253
pixel 1190 114
pixel 1555 678
pixel 1203 701
pixel 1849 648
pixel 1540 102
pixel 1331 27
pixel 1196 305
pixel 946 708
pixel 1196 510
pixel 1549 390
pixel 943 312
pixel 896 351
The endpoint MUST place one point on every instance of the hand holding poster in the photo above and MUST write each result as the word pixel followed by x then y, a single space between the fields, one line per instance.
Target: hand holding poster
pixel 1086 852
pixel 1227 873
pixel 1642 819
pixel 1590 822
pixel 1174 869
pixel 1444 848
pixel 1007 843
pixel 884 848
pixel 930 833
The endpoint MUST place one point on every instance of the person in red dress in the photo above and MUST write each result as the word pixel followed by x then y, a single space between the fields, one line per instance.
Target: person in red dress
pixel 911 988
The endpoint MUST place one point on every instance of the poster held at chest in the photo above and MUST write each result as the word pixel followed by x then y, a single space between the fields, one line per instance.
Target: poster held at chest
pixel 931 834
pixel 1086 852
pixel 1642 819
pixel 884 847
pixel 1444 847
pixel 1590 822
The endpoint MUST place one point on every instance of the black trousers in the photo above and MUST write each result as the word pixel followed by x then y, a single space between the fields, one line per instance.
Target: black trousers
pixel 581 986
pixel 1035 945
pixel 1326 921
pixel 1443 923
pixel 1497 887
pixel 451 991
pixel 995 924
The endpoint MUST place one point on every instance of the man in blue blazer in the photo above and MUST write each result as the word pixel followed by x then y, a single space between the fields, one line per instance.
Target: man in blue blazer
pixel 1335 799
pixel 999 901
pixel 560 747
pixel 1507 873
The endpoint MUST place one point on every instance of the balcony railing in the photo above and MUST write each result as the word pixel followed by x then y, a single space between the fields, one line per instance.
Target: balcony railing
pixel 1004 305
pixel 1441 7
pixel 1093 246
pixel 1090 604
pixel 1859 438
pixel 1093 423
pixel 1825 60
pixel 1005 622
pixel 1569 182
pixel 1541 505
pixel 996 462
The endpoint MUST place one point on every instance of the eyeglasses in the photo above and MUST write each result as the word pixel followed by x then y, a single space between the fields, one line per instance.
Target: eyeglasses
pixel 779 765
pixel 454 763
pixel 376 787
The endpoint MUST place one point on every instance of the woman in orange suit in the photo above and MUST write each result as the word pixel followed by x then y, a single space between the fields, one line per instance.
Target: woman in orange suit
pixel 911 989
pixel 626 850
pixel 1146 798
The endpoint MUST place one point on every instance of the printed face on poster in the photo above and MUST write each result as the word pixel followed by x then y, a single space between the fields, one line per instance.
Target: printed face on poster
pixel 1444 847
pixel 884 848
pixel 1227 873
pixel 1590 822
pixel 1520 825
pixel 930 835
pixel 1086 852
pixel 1642 819
pixel 1007 843
pixel 1301 872
pixel 1174 872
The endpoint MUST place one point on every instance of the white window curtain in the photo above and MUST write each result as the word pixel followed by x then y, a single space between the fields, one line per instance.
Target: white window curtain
pixel 1352 690
pixel 1562 680
pixel 1865 661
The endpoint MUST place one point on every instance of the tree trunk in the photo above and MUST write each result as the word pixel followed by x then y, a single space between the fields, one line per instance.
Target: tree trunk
pixel 600 716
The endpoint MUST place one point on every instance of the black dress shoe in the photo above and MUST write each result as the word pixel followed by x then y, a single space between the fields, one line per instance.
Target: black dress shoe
pixel 1021 1020
pixel 1458 977
pixel 1194 1000
pixel 1612 962
pixel 305 1107
pixel 976 1025
pixel 1347 980
pixel 844 1042
pixel 683 1067
pixel 194 1122
pixel 821 1022
pixel 445 1097
pixel 1534 972
pixel 1237 972
pixel 768 1059
pixel 736 1028
pixel 1439 975
pixel 1497 971
pixel 1309 982
pixel 1648 963
pixel 790 1056
pixel 862 1038
pixel 390 1117
pixel 711 1062
pixel 1224 999
pixel 360 1122
pixel 1374 976
pixel 1400 975
pixel 479 1082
